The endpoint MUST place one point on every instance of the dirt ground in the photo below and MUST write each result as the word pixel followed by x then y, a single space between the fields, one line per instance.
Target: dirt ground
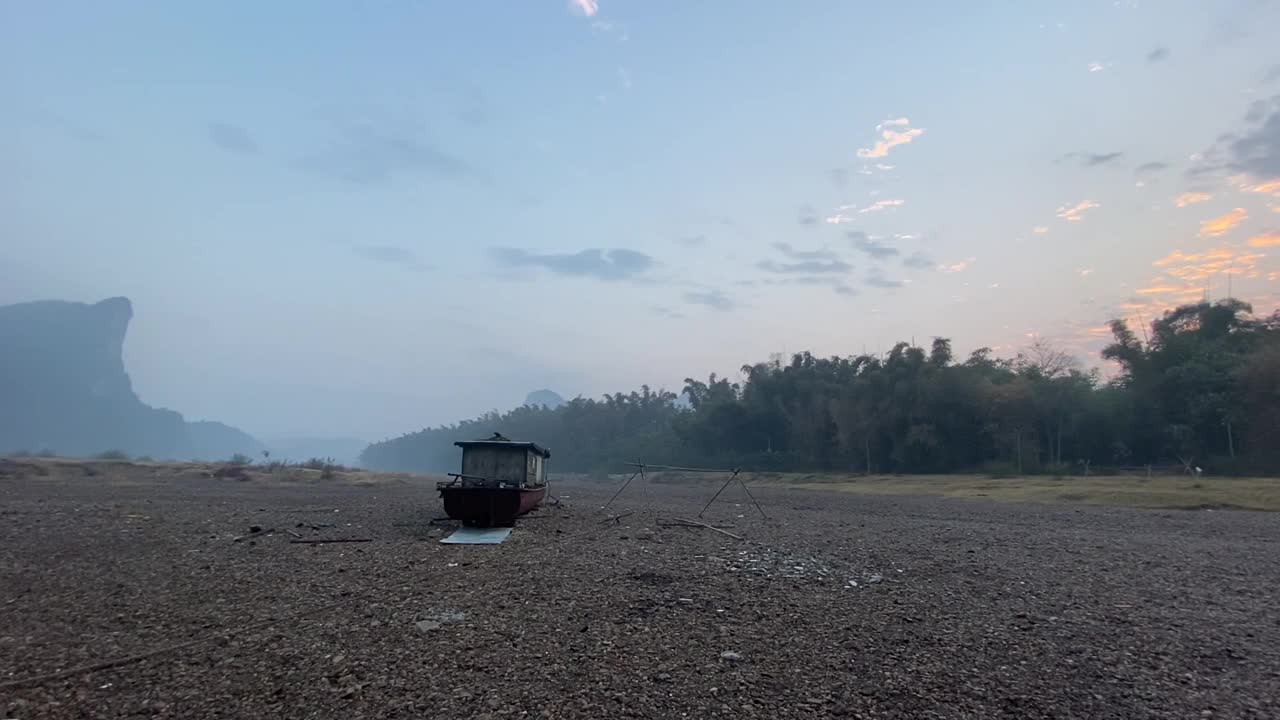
pixel 837 605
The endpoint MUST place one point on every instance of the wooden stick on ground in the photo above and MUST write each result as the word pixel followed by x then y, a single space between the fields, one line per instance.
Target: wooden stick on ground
pixel 616 518
pixel 711 527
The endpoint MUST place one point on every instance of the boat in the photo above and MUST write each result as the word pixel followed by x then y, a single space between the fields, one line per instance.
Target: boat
pixel 501 480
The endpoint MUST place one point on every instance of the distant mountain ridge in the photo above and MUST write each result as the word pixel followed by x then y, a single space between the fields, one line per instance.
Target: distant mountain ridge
pixel 64 388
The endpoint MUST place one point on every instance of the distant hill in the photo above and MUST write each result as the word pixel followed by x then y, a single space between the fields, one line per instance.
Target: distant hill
pixel 64 388
pixel 342 450
pixel 545 398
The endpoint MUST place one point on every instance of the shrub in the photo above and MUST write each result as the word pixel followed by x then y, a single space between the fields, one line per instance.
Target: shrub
pixel 112 455
pixel 240 459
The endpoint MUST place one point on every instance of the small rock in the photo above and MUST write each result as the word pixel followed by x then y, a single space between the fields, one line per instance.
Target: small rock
pixel 875 579
pixel 730 656
pixel 427 625
pixel 255 528
pixel 663 677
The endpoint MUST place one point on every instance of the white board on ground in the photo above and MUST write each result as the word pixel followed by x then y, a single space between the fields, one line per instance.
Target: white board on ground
pixel 477 536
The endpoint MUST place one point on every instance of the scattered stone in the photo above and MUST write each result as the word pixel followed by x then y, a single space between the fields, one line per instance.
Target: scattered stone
pixel 730 656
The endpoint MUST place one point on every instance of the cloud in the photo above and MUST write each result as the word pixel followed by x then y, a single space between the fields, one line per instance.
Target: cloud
pixel 1085 272
pixel 1076 213
pixel 876 250
pixel 957 267
pixel 879 205
pixel 588 8
pixel 1267 239
pixel 1254 151
pixel 1191 198
pixel 890 138
pixel 367 156
pixel 1096 67
pixel 692 241
pixel 713 299
pixel 1091 159
pixel 1267 188
pixel 838 219
pixel 1198 267
pixel 806 266
pixel 875 279
pixel 393 255
pixel 667 312
pixel 846 290
pixel 807 216
pixel 1223 224
pixel 1151 167
pixel 918 261
pixel 232 139
pixel 791 252
pixel 1040 229
pixel 602 264
pixel 1158 54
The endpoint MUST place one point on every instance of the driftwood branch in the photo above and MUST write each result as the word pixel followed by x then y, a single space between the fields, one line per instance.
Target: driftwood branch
pixel 616 518
pixel 710 527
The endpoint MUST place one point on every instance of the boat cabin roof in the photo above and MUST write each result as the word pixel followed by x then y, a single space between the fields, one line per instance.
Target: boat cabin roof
pixel 464 444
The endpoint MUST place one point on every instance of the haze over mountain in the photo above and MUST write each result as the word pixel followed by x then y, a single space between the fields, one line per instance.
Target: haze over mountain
pixel 64 388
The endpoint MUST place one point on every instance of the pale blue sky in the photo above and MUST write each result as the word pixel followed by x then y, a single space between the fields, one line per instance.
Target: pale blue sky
pixel 364 218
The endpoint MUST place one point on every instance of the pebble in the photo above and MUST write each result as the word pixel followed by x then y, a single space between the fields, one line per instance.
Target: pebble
pixel 730 656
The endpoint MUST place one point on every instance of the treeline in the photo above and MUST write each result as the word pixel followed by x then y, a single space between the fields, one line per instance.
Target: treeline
pixel 1202 388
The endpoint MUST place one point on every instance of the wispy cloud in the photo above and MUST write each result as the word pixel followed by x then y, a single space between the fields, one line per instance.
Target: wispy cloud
pixel 918 261
pixel 667 312
pixel 1223 224
pixel 232 138
pixel 1040 229
pixel 796 254
pixel 1254 151
pixel 875 279
pixel 1197 267
pixel 1191 198
pixel 958 266
pixel 807 216
pixel 1086 159
pixel 880 205
pixel 365 155
pixel 876 250
pixel 692 240
pixel 1265 239
pixel 588 8
pixel 1076 212
pixel 599 263
pixel 1158 54
pixel 713 299
pixel 392 255
pixel 805 266
pixel 1151 167
pixel 1085 272
pixel 1271 188
pixel 1097 67
pixel 890 137
pixel 838 219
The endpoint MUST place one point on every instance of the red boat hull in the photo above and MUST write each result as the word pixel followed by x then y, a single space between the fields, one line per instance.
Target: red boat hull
pixel 489 507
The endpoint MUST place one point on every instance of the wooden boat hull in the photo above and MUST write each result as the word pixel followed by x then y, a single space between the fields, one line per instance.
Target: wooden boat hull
pixel 489 506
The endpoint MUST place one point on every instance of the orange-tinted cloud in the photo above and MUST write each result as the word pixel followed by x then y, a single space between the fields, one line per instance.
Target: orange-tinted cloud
pixel 1223 224
pixel 1269 238
pixel 957 267
pixel 1271 188
pixel 890 138
pixel 1197 267
pixel 1075 213
pixel 1191 198
pixel 1040 229
pixel 879 205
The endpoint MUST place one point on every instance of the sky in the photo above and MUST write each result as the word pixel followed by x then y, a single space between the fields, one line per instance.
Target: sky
pixel 362 219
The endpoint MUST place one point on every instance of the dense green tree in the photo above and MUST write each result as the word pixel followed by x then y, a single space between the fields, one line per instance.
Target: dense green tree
pixel 1205 389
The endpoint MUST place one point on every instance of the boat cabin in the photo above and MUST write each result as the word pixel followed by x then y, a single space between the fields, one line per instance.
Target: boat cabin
pixel 499 462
